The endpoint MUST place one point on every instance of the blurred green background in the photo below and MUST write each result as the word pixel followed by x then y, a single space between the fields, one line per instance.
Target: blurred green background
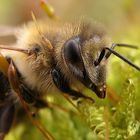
pixel 118 116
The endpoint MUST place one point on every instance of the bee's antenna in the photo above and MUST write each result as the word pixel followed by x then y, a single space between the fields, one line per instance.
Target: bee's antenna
pixel 122 58
pixel 125 45
pixel 120 45
pixel 102 54
pixel 15 49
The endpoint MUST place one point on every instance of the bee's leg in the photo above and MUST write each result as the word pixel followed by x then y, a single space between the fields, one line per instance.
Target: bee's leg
pixel 7 108
pixel 7 113
pixel 28 95
pixel 32 97
pixel 63 85
pixel 14 82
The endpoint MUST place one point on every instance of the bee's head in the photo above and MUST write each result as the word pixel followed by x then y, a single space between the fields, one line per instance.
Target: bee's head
pixel 81 57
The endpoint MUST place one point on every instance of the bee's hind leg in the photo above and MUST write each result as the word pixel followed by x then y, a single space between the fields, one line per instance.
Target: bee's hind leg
pixel 7 114
pixel 7 108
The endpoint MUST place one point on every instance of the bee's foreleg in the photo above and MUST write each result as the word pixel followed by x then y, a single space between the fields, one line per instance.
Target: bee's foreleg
pixel 62 84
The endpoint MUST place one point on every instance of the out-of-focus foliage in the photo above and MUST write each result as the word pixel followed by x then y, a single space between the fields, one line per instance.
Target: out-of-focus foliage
pixel 118 116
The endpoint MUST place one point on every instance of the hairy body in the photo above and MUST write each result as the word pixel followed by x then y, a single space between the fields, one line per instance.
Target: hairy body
pixel 36 69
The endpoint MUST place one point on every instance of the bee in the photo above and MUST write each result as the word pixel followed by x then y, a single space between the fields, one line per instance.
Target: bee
pixel 52 56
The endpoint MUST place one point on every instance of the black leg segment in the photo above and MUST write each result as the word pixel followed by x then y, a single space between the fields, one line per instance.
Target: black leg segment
pixel 63 85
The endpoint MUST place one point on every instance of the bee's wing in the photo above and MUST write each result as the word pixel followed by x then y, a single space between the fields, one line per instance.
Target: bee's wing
pixel 8 31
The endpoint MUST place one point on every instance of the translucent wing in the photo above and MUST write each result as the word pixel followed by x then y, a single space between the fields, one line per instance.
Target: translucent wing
pixel 8 30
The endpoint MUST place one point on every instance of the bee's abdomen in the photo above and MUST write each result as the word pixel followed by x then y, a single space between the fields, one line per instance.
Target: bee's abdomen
pixel 4 87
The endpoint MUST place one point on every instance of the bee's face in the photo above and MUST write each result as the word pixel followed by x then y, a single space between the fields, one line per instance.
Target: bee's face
pixel 77 49
pixel 80 56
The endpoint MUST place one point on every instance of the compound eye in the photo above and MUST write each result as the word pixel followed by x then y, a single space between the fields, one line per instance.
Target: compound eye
pixel 71 51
